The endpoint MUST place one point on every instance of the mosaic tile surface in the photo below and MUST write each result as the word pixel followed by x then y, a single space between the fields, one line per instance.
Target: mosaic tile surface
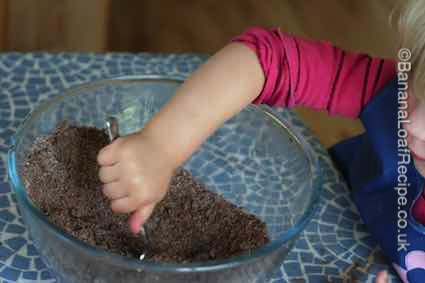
pixel 335 246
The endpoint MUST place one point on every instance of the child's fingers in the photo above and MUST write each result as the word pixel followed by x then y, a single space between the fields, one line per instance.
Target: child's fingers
pixel 114 191
pixel 139 217
pixel 124 205
pixel 382 277
pixel 108 174
pixel 108 155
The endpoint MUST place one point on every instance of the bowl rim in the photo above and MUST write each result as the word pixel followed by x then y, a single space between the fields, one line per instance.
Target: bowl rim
pixel 136 264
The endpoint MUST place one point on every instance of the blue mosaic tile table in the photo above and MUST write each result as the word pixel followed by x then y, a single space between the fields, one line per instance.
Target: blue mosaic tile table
pixel 335 247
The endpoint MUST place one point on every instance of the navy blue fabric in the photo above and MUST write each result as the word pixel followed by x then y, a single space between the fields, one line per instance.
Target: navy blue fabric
pixel 369 163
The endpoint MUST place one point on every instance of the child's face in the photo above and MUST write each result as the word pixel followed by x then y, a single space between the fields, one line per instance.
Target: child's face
pixel 416 132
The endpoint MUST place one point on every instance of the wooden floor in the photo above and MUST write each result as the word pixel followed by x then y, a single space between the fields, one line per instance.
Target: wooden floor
pixel 198 26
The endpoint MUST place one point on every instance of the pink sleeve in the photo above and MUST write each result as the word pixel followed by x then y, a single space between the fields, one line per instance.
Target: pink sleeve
pixel 314 74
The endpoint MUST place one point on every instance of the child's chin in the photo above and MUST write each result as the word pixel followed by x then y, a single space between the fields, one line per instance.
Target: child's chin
pixel 420 166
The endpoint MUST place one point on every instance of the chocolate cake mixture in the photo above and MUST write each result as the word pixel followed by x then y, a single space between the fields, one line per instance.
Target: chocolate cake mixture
pixel 190 224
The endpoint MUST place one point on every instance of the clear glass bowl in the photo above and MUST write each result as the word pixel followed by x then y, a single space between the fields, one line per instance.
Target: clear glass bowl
pixel 255 160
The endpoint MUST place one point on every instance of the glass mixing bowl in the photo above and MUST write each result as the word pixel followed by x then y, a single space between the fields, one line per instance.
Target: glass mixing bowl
pixel 255 160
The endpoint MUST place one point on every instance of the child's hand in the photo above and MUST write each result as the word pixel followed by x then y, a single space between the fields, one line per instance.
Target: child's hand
pixel 136 174
pixel 382 277
pixel 136 169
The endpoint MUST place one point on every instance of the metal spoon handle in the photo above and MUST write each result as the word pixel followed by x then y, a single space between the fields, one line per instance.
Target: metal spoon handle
pixel 112 128
pixel 113 132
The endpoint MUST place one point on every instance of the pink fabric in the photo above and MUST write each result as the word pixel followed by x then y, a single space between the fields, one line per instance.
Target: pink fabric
pixel 418 209
pixel 318 75
pixel 315 74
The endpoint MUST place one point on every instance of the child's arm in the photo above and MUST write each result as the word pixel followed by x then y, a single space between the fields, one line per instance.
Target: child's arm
pixel 315 74
pixel 136 169
pixel 264 67
pixel 218 90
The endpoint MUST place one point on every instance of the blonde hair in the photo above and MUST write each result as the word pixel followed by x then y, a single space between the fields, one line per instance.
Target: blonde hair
pixel 411 26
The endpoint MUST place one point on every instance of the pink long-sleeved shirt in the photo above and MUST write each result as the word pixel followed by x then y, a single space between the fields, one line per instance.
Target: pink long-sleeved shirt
pixel 315 74
pixel 318 75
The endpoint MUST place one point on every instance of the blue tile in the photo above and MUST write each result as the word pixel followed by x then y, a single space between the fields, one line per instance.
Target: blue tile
pixel 16 243
pixel 331 238
pixel 315 238
pixel 342 201
pixel 15 229
pixel 7 216
pixel 64 69
pixel 279 280
pixel 238 188
pixel 337 249
pixel 222 177
pixel 330 218
pixel 21 113
pixel 209 169
pixel 348 243
pixel 30 275
pixel 19 93
pixel 307 257
pixel 18 76
pixel 327 228
pixel 18 69
pixel 313 269
pixel 226 189
pixel 4 202
pixel 347 234
pixel 333 209
pixel 27 63
pixel 331 271
pixel 39 264
pixel 312 227
pixel 8 63
pixel 5 104
pixel 347 224
pixel 21 262
pixel 317 279
pixel 347 254
pixel 10 274
pixel 83 59
pixel 7 133
pixel 292 256
pixel 196 162
pixel 302 244
pixel 13 57
pixel 362 251
pixel 46 275
pixel 2 225
pixel 31 250
pixel 44 65
pixel 341 264
pixel 321 250
pixel 20 102
pixel 56 81
pixel 5 253
pixel 4 123
pixel 293 269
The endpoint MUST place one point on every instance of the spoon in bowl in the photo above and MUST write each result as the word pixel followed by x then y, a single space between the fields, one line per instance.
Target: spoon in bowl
pixel 113 133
